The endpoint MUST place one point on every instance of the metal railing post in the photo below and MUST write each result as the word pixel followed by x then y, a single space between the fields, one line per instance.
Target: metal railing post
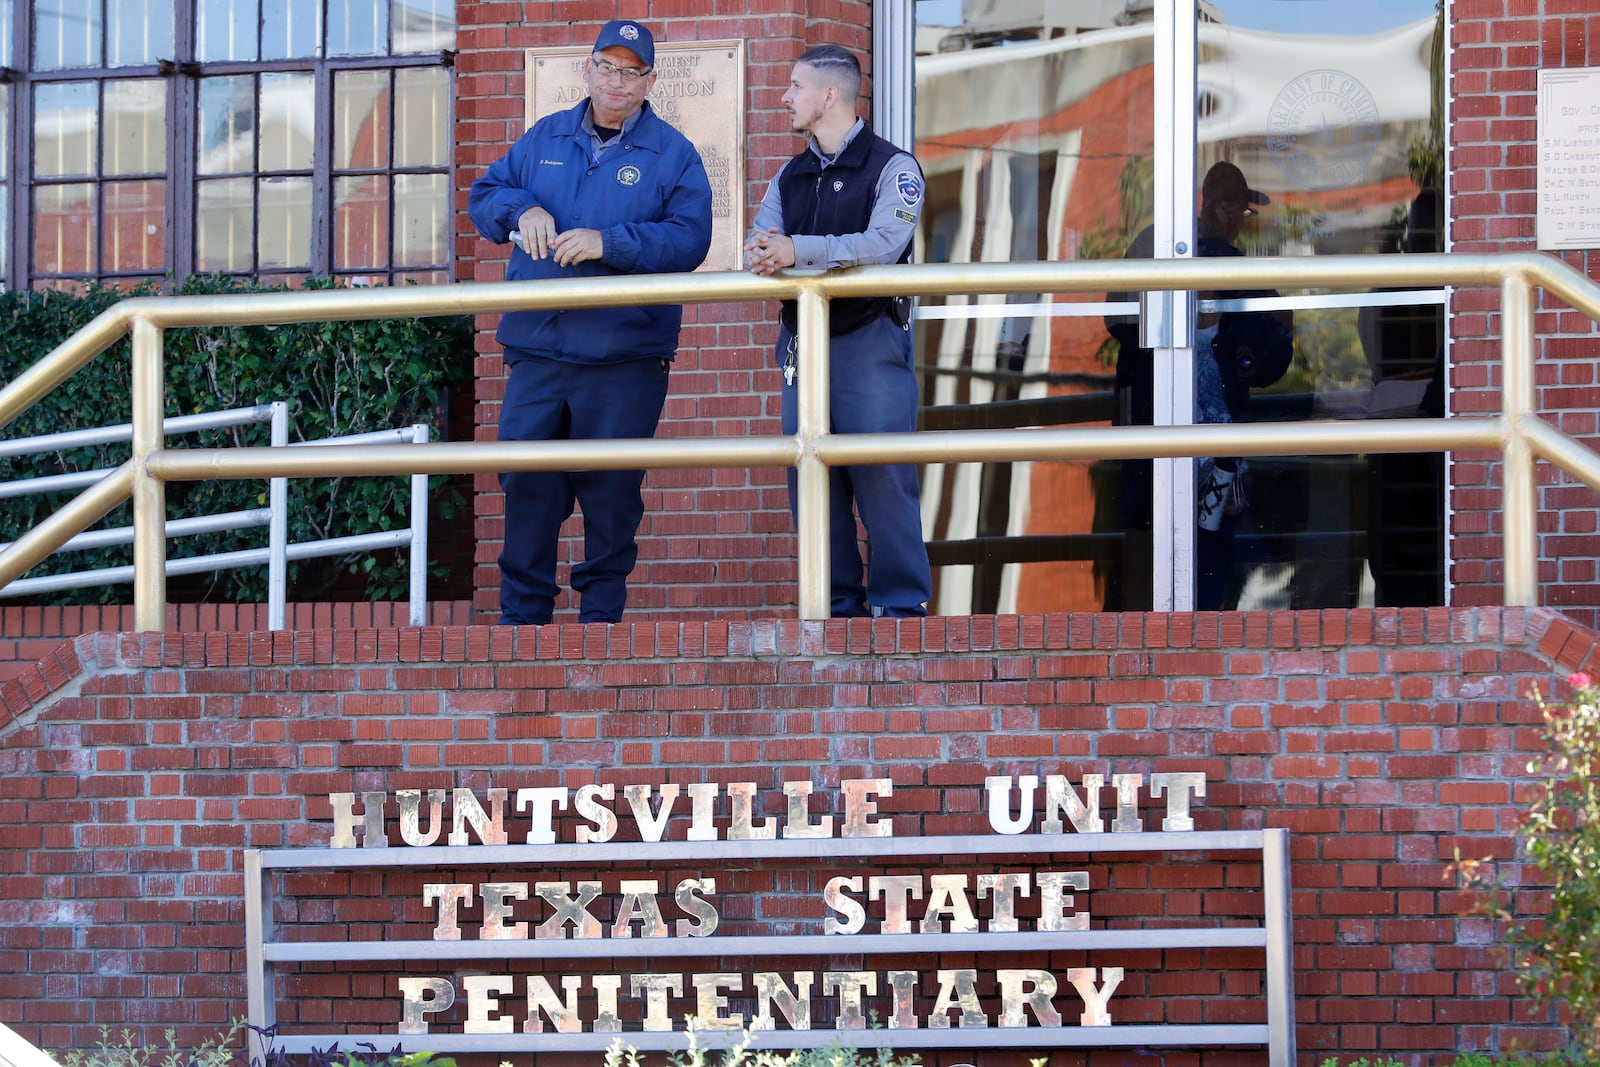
pixel 811 474
pixel 278 528
pixel 1519 497
pixel 1277 901
pixel 419 536
pixel 149 492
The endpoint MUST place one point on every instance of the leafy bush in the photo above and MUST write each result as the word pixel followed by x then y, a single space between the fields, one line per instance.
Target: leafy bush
pixel 740 1054
pixel 338 378
pixel 226 1050
pixel 123 1051
pixel 1557 958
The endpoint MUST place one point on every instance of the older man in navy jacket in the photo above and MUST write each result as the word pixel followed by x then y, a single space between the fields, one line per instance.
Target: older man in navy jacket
pixel 606 187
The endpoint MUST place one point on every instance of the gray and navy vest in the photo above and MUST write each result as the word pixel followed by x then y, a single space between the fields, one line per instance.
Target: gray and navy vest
pixel 838 199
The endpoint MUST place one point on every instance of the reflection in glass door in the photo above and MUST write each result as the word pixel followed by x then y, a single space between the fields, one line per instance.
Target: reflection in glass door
pixel 1043 135
pixel 1035 128
pixel 1331 109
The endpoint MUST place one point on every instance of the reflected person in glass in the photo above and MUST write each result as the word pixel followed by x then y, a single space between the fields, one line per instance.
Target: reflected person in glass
pixel 1234 352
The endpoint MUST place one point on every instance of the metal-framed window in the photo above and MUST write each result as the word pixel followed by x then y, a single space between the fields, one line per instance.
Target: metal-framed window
pixel 273 139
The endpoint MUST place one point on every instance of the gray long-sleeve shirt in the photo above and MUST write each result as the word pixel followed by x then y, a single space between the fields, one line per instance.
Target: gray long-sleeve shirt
pixel 890 228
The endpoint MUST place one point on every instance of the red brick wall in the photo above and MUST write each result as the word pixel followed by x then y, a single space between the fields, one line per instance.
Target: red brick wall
pixel 134 769
pixel 28 634
pixel 712 543
pixel 1497 50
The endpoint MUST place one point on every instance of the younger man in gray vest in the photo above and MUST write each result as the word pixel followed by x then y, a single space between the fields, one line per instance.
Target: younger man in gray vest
pixel 851 198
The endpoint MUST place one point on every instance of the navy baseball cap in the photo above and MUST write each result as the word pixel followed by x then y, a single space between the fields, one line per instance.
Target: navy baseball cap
pixel 624 33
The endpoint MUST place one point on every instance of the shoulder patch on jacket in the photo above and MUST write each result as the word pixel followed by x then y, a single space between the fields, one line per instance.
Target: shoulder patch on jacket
pixel 909 185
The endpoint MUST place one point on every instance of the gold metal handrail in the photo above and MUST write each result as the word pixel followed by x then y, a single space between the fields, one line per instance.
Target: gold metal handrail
pixel 1517 432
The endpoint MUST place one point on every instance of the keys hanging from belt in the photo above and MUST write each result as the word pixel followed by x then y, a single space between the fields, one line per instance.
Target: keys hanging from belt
pixel 790 368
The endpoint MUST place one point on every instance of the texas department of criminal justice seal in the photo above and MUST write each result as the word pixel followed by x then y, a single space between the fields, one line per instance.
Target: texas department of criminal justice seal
pixel 1323 129
pixel 628 175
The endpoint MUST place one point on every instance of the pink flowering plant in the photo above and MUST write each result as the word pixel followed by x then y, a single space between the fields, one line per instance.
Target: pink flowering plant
pixel 1557 959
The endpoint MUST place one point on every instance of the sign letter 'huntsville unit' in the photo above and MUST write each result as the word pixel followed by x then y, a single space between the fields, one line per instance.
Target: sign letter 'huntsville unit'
pixel 541 939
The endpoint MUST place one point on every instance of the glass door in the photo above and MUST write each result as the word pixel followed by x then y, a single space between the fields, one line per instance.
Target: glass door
pixel 1331 111
pixel 1095 129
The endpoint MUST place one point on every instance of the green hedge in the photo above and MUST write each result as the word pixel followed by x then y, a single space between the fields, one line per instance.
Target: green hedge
pixel 338 378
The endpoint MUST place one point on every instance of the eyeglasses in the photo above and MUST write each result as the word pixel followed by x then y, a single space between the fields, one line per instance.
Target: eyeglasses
pixel 606 68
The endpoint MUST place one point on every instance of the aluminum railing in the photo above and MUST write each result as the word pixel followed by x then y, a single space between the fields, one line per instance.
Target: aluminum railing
pixel 279 551
pixel 1517 432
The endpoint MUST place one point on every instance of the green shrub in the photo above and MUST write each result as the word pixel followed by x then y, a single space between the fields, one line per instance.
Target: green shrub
pixel 1557 957
pixel 741 1054
pixel 123 1051
pixel 338 378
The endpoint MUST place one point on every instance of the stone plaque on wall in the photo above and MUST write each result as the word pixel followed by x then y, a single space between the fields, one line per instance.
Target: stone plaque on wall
pixel 700 90
pixel 1568 214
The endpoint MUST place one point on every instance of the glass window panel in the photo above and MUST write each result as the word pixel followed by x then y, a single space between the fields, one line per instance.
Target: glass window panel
pixel 421 218
pixel 1031 153
pixel 290 29
pixel 61 285
pixel 7 13
pixel 138 32
pixel 358 27
pixel 226 29
pixel 1332 111
pixel 283 225
pixel 66 121
pixel 63 228
pixel 361 222
pixel 360 119
pixel 135 128
pixel 134 226
pixel 5 231
pixel 423 25
pixel 66 33
pixel 288 117
pixel 422 117
pixel 223 225
pixel 422 277
pixel 227 125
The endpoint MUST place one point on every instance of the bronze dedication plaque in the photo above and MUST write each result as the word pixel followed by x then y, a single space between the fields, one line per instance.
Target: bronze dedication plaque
pixel 700 90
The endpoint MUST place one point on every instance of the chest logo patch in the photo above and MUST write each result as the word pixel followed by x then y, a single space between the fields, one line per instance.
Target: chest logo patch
pixel 837 186
pixel 909 186
pixel 628 175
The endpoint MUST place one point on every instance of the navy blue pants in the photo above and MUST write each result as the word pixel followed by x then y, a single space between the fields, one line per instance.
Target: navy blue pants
pixel 548 400
pixel 872 388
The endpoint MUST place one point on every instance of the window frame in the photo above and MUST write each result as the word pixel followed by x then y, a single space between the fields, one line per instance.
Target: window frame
pixel 182 76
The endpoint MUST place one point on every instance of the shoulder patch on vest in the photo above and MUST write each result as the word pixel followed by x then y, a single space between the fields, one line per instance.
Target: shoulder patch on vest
pixel 909 185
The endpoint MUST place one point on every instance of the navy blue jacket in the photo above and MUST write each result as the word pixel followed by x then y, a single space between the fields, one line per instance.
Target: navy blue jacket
pixel 649 198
